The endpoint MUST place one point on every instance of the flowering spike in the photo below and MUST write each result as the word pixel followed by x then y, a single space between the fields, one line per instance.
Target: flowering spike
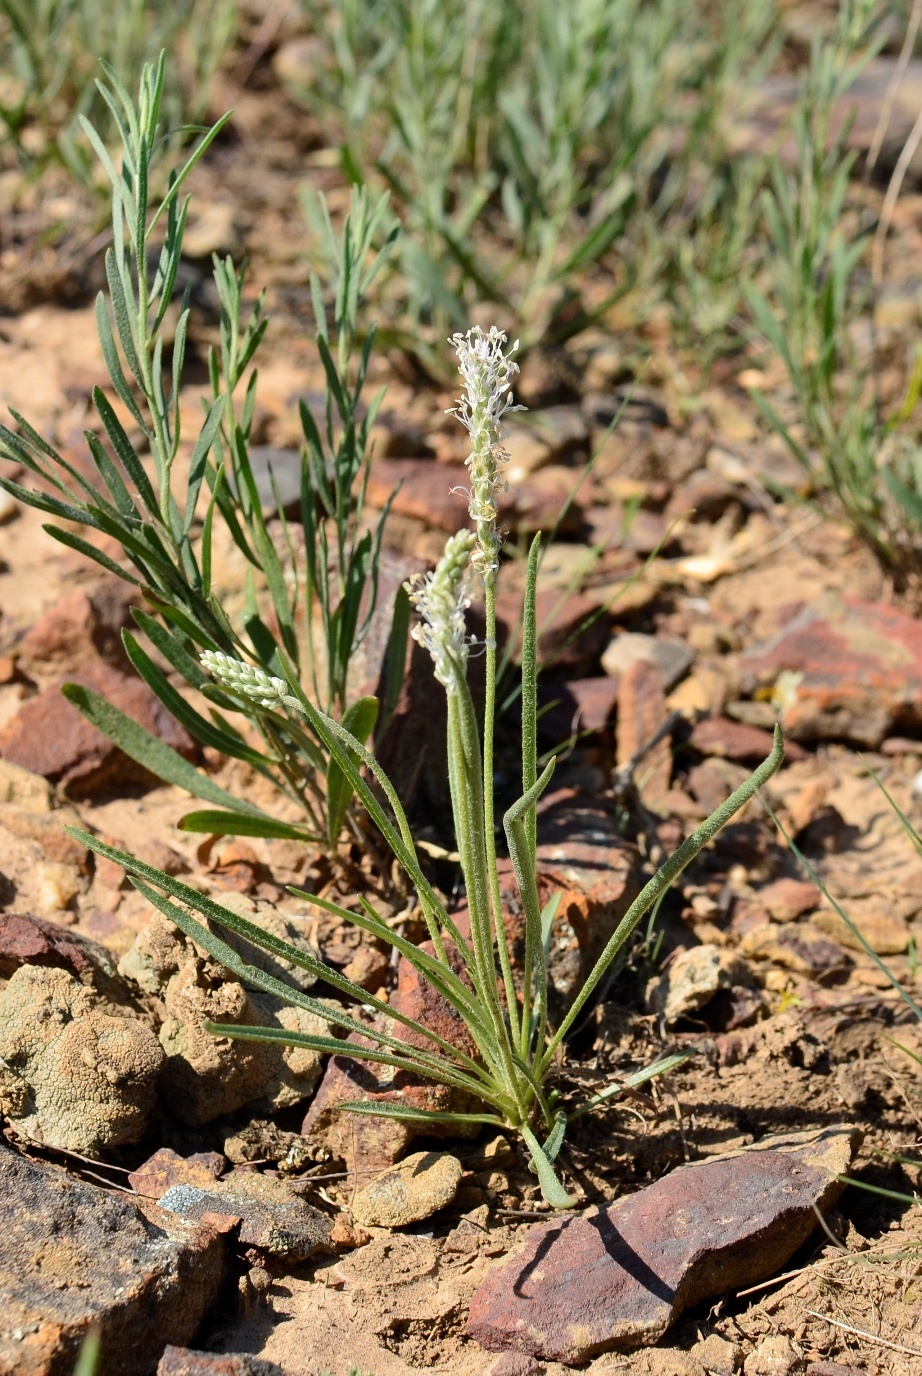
pixel 441 602
pixel 244 678
pixel 487 374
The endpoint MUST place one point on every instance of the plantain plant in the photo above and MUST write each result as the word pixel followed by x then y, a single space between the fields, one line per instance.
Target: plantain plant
pixel 509 1081
pixel 163 513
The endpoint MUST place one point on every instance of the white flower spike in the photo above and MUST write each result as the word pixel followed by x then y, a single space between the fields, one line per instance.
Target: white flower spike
pixel 487 373
pixel 247 679
pixel 441 601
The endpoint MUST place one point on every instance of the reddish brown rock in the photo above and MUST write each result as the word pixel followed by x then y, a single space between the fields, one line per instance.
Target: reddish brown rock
pixel 796 946
pixel 579 704
pixel 734 740
pixel 49 831
pixel 642 711
pixel 80 627
pixel 571 631
pixel 27 940
pixel 184 1361
pixel 860 667
pixel 787 899
pixel 433 492
pixel 618 1277
pixel 436 493
pixel 166 1168
pixel 74 1257
pixel 48 736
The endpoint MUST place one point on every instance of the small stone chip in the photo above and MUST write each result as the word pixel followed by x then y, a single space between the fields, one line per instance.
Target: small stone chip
pixel 409 1191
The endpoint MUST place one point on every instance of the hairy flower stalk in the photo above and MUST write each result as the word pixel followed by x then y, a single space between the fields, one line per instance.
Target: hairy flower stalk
pixel 487 373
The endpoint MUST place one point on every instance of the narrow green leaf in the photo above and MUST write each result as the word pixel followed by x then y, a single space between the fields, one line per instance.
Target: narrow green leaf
pixel 143 747
pixel 199 458
pixel 214 823
pixel 84 547
pixel 125 450
pixel 551 1188
pixel 395 657
pixel 415 1115
pixel 197 725
pixel 360 719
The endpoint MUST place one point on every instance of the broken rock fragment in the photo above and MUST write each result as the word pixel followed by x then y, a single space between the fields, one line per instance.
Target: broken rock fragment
pixel 618 1277
pixel 851 670
pixel 693 979
pixel 75 1257
pixel 271 1216
pixel 48 736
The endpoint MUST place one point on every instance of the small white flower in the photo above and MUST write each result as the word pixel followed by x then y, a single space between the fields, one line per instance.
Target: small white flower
pixel 487 374
pixel 441 602
pixel 247 679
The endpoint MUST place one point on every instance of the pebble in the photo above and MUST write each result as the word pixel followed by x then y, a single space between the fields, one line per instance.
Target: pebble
pixel 412 1190
pixel 692 979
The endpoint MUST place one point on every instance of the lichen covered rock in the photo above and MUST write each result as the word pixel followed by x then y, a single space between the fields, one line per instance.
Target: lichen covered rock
pixel 79 1073
pixel 205 1076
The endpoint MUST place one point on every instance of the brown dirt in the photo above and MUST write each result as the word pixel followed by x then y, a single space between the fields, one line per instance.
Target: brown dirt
pixel 825 1050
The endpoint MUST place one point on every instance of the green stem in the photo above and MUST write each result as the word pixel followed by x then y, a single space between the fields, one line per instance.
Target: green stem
pixel 489 817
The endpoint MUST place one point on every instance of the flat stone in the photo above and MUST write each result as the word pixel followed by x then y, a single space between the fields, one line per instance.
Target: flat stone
pixel 528 451
pixel 673 658
pixel 796 946
pixel 733 740
pixel 185 1361
pixel 81 626
pixel 852 670
pixel 272 1219
pixel 571 634
pixel 885 932
pixel 413 1190
pixel 624 528
pixel 616 1278
pixel 436 493
pixel 48 736
pixel 787 899
pixel 642 714
pixel 24 789
pixel 74 1257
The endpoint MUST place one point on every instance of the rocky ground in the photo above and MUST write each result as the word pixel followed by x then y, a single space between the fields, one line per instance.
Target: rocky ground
pixel 181 1189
